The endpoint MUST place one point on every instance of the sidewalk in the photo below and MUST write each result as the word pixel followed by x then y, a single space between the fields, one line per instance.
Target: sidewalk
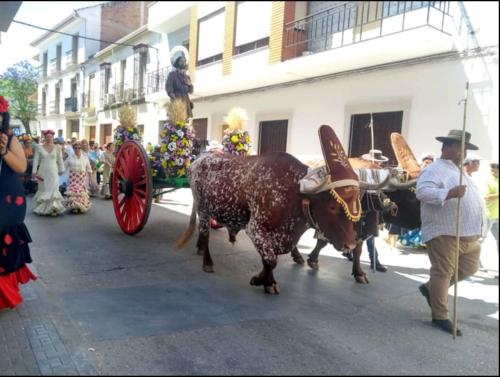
pixel 30 343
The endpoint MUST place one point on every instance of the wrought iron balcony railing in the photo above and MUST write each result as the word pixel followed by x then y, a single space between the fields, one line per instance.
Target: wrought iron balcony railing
pixel 355 21
pixel 71 104
pixel 156 80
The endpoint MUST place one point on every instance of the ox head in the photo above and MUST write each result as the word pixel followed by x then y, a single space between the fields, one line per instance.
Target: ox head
pixel 334 193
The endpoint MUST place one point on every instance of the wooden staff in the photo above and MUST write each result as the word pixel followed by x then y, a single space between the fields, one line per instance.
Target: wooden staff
pixel 462 152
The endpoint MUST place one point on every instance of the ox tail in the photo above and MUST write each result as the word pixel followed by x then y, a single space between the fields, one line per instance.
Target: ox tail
pixel 181 242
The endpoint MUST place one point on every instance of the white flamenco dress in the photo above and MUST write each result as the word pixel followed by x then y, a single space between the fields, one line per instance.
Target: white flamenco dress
pixel 48 165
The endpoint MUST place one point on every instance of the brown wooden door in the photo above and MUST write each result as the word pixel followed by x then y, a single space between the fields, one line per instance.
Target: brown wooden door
pixel 272 136
pixel 383 125
pixel 106 134
pixel 200 132
pixel 92 133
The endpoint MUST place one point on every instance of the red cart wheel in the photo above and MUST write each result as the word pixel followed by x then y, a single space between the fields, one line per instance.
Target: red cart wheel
pixel 132 185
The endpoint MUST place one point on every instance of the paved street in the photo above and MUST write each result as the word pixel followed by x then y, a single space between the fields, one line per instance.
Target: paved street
pixel 107 303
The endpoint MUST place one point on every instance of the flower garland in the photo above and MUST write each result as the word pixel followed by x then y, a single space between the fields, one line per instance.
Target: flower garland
pixel 236 142
pixel 127 129
pixel 235 139
pixel 176 146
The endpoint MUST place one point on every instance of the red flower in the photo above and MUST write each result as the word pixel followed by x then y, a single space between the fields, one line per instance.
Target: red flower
pixel 19 200
pixel 4 105
pixel 7 239
pixel 8 199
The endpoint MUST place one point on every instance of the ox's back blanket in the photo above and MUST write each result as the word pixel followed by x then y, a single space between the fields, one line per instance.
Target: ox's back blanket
pixel 256 193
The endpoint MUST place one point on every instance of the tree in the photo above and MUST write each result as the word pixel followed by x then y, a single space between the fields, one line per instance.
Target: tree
pixel 18 84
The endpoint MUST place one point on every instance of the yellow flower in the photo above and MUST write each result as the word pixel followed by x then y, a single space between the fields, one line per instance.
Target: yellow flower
pixel 188 163
pixel 239 147
pixel 234 139
pixel 181 172
pixel 155 173
pixel 163 134
pixel 130 129
pixel 163 148
pixel 164 163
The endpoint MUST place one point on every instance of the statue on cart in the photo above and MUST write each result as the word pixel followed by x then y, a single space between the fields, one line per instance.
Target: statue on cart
pixel 178 84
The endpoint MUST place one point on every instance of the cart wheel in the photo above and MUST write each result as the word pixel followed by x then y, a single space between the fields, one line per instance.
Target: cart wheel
pixel 132 186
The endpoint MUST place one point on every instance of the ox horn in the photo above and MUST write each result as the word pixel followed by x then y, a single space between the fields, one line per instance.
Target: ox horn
pixel 373 186
pixel 402 185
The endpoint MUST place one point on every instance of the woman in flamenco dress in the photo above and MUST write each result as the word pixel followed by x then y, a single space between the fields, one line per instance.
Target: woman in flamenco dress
pixel 14 236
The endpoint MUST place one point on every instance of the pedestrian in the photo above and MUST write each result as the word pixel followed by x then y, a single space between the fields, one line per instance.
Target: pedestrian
pixel 491 200
pixel 471 165
pixel 178 84
pixel 438 190
pixel 14 236
pixel 375 156
pixel 79 168
pixel 108 160
pixel 47 167
pixel 427 159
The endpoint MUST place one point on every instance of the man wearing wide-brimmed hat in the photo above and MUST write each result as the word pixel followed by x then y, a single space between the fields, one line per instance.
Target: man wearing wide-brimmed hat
pixel 438 190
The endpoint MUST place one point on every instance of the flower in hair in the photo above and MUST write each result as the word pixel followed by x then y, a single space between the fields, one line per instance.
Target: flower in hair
pixel 4 105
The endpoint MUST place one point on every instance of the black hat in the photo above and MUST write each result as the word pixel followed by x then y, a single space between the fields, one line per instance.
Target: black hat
pixel 456 135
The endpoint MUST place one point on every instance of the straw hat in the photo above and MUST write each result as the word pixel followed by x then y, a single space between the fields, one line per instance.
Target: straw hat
pixel 375 155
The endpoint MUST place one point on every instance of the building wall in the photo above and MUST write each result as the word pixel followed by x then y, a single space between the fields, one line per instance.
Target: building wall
pixel 427 93
pixel 120 18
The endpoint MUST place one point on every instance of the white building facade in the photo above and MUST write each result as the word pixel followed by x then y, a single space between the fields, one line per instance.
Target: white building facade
pixel 294 66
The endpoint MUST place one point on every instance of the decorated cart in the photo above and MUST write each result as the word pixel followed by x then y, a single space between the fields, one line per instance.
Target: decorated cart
pixel 138 177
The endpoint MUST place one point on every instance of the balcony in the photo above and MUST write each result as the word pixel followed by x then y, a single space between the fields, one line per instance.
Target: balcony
pixel 354 22
pixel 155 80
pixel 42 72
pixel 54 107
pixel 42 109
pixel 70 59
pixel 71 105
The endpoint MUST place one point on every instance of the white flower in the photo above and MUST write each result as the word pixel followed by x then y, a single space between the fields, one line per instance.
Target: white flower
pixel 172 146
pixel 180 133
pixel 179 161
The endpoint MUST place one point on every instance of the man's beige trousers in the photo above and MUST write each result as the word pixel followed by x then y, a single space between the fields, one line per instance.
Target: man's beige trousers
pixel 442 255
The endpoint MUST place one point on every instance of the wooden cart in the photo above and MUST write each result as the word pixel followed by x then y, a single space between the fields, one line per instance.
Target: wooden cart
pixel 133 187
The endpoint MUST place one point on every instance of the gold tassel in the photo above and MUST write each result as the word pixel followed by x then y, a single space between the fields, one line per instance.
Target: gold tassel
pixel 346 207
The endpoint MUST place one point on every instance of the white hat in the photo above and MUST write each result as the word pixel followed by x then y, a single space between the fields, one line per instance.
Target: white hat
pixel 375 155
pixel 214 144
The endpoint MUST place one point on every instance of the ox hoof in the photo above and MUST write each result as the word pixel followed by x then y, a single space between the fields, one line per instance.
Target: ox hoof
pixel 298 259
pixel 256 280
pixel 361 279
pixel 208 268
pixel 272 289
pixel 313 265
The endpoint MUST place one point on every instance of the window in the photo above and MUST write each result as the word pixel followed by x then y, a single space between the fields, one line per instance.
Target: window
pixel 253 25
pixel 58 57
pixel 211 37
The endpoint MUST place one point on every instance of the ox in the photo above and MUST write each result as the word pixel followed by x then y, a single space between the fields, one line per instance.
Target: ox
pixel 403 210
pixel 262 194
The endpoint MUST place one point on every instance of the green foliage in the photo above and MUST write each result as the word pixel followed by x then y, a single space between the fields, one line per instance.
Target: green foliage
pixel 17 85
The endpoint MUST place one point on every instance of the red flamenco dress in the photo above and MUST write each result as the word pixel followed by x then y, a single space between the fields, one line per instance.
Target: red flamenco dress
pixel 14 238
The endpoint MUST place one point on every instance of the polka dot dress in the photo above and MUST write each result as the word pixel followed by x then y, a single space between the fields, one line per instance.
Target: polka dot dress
pixel 14 239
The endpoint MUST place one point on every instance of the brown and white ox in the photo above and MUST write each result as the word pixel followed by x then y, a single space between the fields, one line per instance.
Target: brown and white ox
pixel 403 210
pixel 261 194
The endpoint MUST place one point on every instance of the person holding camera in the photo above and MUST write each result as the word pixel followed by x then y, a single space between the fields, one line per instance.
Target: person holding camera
pixel 14 236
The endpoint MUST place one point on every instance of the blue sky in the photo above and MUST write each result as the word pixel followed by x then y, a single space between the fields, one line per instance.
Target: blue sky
pixel 15 43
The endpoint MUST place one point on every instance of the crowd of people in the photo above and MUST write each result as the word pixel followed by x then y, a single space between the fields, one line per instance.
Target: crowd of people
pixel 64 175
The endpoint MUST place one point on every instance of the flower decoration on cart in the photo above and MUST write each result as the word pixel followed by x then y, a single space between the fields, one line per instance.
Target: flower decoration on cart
pixel 176 146
pixel 127 130
pixel 236 140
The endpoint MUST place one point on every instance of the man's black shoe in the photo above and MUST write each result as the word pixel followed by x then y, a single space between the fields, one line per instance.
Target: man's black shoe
pixel 445 325
pixel 379 267
pixel 425 292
